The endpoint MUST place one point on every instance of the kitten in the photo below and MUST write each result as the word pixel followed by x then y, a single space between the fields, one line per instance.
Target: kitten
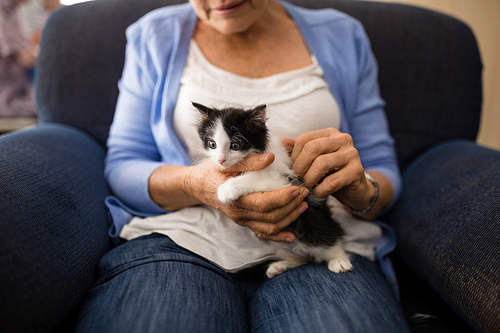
pixel 229 136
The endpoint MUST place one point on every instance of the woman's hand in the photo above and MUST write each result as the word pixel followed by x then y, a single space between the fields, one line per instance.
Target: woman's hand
pixel 328 162
pixel 265 213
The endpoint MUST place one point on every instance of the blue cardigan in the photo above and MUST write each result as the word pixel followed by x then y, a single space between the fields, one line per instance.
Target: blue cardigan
pixel 142 136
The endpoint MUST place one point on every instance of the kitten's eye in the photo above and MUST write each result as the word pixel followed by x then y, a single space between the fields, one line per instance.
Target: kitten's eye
pixel 235 146
pixel 212 144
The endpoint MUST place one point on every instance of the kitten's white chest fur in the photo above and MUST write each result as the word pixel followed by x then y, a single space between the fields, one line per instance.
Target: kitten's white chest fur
pixel 269 179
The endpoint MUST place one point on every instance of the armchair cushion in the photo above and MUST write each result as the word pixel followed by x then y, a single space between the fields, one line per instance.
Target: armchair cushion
pixel 448 227
pixel 53 223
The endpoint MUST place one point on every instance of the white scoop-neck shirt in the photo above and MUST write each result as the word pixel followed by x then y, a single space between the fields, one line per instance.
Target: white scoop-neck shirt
pixel 297 101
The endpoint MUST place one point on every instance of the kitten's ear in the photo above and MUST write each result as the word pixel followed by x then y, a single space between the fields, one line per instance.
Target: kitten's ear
pixel 259 114
pixel 205 110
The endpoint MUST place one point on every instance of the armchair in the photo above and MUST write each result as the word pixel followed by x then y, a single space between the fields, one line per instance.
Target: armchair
pixel 53 221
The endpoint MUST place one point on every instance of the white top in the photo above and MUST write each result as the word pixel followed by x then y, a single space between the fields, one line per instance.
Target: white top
pixel 297 102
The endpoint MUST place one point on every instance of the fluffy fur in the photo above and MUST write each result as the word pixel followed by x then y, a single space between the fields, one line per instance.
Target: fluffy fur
pixel 229 136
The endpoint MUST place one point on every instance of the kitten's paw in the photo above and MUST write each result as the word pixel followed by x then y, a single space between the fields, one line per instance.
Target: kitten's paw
pixel 340 265
pixel 276 268
pixel 228 193
pixel 279 267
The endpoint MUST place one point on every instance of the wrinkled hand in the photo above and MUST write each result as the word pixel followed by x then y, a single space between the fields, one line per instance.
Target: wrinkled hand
pixel 265 213
pixel 328 162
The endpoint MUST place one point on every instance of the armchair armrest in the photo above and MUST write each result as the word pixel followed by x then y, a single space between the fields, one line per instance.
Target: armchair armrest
pixel 53 224
pixel 448 227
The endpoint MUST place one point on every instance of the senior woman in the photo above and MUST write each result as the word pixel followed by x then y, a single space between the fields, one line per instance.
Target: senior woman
pixel 193 264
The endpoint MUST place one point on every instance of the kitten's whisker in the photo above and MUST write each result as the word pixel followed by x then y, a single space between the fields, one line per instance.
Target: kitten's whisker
pixel 198 160
pixel 241 136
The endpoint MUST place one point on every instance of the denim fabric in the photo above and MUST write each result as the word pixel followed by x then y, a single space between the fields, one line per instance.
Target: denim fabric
pixel 150 284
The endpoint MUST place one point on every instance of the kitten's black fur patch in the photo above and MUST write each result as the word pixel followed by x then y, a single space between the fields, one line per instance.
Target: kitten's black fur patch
pixel 316 226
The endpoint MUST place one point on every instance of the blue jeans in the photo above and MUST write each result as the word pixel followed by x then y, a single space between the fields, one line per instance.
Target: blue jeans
pixel 150 284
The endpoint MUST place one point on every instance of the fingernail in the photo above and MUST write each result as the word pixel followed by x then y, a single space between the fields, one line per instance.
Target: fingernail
pixel 295 193
pixel 305 193
pixel 263 157
pixel 289 240
pixel 302 209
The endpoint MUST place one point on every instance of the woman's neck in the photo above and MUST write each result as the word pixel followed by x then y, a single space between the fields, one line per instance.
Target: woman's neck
pixel 259 50
pixel 253 35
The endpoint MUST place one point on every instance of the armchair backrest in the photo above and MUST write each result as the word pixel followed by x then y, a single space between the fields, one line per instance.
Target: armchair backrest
pixel 429 67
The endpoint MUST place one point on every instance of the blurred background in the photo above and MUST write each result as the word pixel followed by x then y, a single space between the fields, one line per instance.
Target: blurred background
pixel 21 22
pixel 483 17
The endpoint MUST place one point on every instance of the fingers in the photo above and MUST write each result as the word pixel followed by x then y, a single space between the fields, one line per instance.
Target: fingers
pixel 266 202
pixel 343 166
pixel 288 143
pixel 328 162
pixel 268 213
pixel 319 153
pixel 273 208
pixel 273 231
pixel 344 178
pixel 283 236
pixel 254 162
pixel 308 137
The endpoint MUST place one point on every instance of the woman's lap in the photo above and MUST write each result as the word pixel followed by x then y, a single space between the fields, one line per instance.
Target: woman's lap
pixel 359 301
pixel 150 284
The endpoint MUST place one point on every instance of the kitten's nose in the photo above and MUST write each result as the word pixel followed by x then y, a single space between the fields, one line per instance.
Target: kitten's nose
pixel 222 161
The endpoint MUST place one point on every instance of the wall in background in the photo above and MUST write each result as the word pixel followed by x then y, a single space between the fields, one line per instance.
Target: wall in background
pixel 483 16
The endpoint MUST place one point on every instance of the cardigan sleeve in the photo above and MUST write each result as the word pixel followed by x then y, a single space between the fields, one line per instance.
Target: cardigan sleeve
pixel 343 50
pixel 132 151
pixel 368 123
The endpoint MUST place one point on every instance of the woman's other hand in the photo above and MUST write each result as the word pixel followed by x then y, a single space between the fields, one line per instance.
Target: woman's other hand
pixel 329 163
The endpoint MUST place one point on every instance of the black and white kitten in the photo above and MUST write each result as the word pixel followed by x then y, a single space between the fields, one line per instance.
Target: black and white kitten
pixel 230 135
